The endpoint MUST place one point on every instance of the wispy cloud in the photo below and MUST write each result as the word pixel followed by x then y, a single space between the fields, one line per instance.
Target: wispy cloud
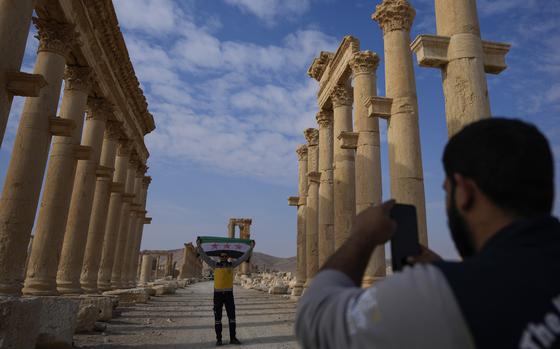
pixel 270 11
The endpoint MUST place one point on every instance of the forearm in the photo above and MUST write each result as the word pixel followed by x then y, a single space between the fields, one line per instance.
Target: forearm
pixel 352 258
pixel 243 258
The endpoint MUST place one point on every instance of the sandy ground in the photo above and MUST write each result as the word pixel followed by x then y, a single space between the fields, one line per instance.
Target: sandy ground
pixel 185 320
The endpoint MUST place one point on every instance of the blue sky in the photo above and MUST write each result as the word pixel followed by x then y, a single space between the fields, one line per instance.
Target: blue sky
pixel 226 82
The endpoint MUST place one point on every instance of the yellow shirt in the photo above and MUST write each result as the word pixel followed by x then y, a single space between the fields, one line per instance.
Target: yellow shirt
pixel 223 278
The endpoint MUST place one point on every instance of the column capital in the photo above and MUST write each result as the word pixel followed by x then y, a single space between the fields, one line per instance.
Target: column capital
pixel 113 130
pixel 324 118
pixel 394 15
pixel 98 109
pixel 341 96
pixel 364 62
pixel 302 152
pixel 77 78
pixel 55 36
pixel 312 136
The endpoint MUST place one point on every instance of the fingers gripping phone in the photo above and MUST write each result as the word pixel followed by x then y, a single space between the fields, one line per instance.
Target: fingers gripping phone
pixel 404 242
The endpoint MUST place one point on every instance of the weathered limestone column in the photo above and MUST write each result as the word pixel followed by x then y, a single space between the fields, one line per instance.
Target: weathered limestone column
pixel 245 234
pixel 24 176
pixel 403 137
pixel 312 213
pixel 75 237
pixel 146 271
pixel 368 153
pixel 301 272
pixel 98 220
pixel 55 203
pixel 344 171
pixel 140 222
pixel 464 60
pixel 326 205
pixel 111 240
pixel 15 17
pixel 183 273
pixel 231 229
pixel 124 227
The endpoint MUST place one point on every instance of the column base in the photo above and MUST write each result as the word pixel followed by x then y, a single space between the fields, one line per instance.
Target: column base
pixel 40 287
pixel 104 286
pixel 297 291
pixel 11 288
pixel 69 288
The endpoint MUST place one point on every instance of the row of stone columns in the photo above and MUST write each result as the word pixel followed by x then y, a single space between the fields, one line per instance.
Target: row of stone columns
pixel 192 264
pixel 81 216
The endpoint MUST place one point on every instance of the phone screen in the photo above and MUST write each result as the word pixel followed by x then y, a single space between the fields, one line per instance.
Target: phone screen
pixel 405 240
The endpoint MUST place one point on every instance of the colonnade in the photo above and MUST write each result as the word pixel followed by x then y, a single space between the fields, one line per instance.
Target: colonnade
pixel 150 264
pixel 340 166
pixel 93 208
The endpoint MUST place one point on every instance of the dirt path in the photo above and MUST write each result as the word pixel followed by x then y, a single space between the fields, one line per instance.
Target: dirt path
pixel 185 320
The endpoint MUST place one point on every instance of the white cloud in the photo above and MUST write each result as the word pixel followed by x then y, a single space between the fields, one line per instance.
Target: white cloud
pixel 269 11
pixel 149 16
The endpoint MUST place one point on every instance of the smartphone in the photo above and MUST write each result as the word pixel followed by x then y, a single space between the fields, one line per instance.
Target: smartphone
pixel 405 240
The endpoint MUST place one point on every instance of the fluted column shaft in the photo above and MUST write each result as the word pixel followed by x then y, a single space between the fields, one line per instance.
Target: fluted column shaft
pixel 24 176
pixel 100 209
pixel 368 153
pixel 403 135
pixel 312 213
pixel 75 237
pixel 344 166
pixel 326 205
pixel 134 229
pixel 301 272
pixel 55 203
pixel 124 227
pixel 110 241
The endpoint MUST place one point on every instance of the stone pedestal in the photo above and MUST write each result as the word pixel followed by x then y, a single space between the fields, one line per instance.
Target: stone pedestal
pixel 146 271
pixel 15 17
pixel 344 165
pixel 98 221
pixel 395 18
pixel 75 237
pixel 326 205
pixel 19 327
pixel 111 240
pixel 312 213
pixel 24 177
pixel 368 153
pixel 301 272
pixel 57 322
pixel 55 203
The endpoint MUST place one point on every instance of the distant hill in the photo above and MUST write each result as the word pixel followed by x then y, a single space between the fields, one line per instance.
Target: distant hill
pixel 261 260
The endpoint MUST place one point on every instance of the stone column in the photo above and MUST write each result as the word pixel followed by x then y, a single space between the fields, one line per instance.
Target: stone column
pixel 55 203
pixel 326 205
pixel 75 237
pixel 301 272
pixel 231 229
pixel 464 60
pixel 368 153
pixel 111 240
pixel 24 176
pixel 146 271
pixel 246 266
pixel 15 17
pixel 312 213
pixel 124 227
pixel 344 171
pixel 183 274
pixel 98 221
pixel 141 221
pixel 403 137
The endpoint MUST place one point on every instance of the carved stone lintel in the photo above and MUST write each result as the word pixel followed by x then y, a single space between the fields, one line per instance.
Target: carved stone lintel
pixel 324 118
pixel 24 84
pixel 312 136
pixel 379 107
pixel 364 62
pixel 302 152
pixel 82 152
pixel 349 139
pixel 116 187
pixel 314 176
pixel 342 96
pixel 104 171
pixel 61 127
pixel 394 15
pixel 77 78
pixel 319 65
pixel 293 200
pixel 55 36
pixel 113 130
pixel 98 109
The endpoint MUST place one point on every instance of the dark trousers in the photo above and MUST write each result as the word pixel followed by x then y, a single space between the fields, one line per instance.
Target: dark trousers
pixel 221 299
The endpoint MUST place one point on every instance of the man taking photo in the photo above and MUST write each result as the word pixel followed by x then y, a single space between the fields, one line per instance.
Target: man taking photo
pixel 504 294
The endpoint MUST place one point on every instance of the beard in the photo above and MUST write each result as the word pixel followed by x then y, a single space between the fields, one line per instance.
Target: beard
pixel 460 232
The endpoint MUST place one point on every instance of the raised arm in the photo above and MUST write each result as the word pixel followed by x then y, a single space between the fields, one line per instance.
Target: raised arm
pixel 211 263
pixel 243 258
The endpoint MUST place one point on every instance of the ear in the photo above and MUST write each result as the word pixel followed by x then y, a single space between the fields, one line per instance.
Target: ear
pixel 464 192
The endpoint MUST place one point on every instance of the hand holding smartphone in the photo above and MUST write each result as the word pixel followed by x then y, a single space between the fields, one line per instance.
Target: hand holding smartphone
pixel 404 242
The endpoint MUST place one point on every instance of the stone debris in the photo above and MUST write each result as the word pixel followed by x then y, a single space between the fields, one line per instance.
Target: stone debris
pixel 269 282
pixel 86 318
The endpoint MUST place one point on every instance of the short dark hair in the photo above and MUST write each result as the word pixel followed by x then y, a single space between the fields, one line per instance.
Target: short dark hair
pixel 510 161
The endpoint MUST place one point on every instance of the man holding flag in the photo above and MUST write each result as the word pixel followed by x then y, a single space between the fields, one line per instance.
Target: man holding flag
pixel 226 249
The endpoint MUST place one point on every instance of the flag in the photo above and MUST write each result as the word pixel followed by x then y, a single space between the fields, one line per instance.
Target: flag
pixel 213 246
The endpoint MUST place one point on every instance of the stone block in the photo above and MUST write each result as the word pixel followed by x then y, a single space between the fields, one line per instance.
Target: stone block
pixel 57 322
pixel 164 289
pixel 130 296
pixel 104 304
pixel 87 315
pixel 19 322
pixel 150 290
